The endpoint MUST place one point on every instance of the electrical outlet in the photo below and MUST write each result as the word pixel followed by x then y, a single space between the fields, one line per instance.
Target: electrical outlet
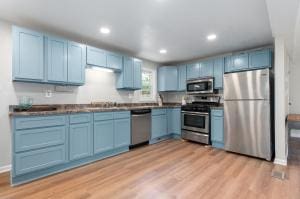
pixel 48 93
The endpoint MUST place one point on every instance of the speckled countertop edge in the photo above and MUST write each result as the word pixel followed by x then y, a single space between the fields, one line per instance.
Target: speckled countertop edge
pixel 70 109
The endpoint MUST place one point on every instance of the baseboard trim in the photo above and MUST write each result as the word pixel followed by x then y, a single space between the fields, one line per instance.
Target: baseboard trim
pixel 5 168
pixel 280 161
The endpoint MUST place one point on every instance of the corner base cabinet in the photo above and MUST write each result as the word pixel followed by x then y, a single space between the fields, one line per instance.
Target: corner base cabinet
pixel 217 128
pixel 44 145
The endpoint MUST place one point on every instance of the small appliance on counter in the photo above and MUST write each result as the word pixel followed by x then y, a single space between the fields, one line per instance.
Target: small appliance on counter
pixel 195 118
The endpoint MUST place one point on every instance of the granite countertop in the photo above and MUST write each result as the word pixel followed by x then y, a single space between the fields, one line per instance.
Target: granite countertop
pixel 53 109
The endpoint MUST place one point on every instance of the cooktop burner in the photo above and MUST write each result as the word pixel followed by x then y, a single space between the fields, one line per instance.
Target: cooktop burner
pixel 195 108
pixel 198 106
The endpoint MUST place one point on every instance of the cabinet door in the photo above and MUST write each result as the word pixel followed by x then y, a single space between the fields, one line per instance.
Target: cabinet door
pixel 128 73
pixel 228 64
pixel 193 71
pixel 122 132
pixel 217 131
pixel 260 59
pixel 81 144
pixel 167 78
pixel 103 136
pixel 159 126
pixel 28 55
pixel 218 73
pixel 240 62
pixel 114 61
pixel 95 56
pixel 76 63
pixel 56 59
pixel 182 78
pixel 137 72
pixel 206 68
pixel 174 121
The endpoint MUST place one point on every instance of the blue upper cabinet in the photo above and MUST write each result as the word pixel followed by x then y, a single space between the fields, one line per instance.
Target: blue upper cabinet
pixel 167 78
pixel 237 62
pixel 76 63
pixel 28 55
pixel 206 68
pixel 95 56
pixel 260 59
pixel 137 74
pixel 47 59
pixel 193 71
pixel 56 59
pixel 182 78
pixel 114 61
pixel 218 73
pixel 131 76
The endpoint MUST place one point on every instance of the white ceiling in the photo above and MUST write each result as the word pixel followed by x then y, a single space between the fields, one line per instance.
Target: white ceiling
pixel 142 27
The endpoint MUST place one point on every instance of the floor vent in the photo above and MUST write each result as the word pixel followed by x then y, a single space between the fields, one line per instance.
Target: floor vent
pixel 278 174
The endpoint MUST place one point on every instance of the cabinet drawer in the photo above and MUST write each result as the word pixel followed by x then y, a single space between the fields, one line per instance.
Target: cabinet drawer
pixel 38 138
pixel 159 111
pixel 103 116
pixel 39 159
pixel 218 113
pixel 123 114
pixel 36 122
pixel 80 118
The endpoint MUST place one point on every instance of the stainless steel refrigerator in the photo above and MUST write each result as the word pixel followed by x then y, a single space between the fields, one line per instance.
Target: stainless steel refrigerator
pixel 248 113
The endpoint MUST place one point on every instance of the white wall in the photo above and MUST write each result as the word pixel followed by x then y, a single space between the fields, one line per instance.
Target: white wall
pixel 100 86
pixel 281 101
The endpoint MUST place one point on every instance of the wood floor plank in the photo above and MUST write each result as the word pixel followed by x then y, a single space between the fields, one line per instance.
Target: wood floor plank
pixel 171 169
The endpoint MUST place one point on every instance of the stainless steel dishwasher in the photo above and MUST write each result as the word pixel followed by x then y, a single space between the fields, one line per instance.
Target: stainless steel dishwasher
pixel 140 126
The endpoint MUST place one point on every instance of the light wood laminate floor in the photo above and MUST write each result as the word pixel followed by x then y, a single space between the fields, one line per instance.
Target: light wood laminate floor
pixel 170 169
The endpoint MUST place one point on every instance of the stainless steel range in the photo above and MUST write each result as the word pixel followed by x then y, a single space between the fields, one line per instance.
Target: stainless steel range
pixel 195 119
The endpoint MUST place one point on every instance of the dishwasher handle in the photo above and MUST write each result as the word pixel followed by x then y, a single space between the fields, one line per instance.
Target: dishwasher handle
pixel 140 112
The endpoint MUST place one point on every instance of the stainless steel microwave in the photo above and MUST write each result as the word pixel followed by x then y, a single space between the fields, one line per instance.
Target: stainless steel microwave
pixel 200 86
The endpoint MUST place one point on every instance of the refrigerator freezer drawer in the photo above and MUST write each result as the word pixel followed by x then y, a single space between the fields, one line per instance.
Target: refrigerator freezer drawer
pixel 247 128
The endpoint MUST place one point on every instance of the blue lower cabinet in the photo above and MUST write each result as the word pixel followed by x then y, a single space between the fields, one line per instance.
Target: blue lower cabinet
pixel 81 141
pixel 39 159
pixel 122 132
pixel 29 139
pixel 217 128
pixel 158 126
pixel 103 136
pixel 174 121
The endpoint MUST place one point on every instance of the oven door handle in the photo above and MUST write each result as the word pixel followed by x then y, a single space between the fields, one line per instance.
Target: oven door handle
pixel 194 113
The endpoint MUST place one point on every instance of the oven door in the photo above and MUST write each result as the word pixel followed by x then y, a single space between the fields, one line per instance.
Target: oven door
pixel 194 121
pixel 200 86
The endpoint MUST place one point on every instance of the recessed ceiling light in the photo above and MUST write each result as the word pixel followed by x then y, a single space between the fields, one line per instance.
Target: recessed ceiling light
pixel 105 30
pixel 162 51
pixel 211 37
